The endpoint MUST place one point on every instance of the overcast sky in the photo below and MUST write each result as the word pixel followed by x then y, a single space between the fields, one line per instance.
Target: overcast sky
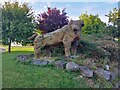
pixel 74 8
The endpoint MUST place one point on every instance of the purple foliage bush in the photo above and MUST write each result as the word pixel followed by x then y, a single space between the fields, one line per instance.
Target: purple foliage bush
pixel 52 20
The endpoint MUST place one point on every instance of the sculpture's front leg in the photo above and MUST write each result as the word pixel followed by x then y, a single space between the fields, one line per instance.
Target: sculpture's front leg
pixel 37 50
pixel 74 47
pixel 37 47
pixel 67 45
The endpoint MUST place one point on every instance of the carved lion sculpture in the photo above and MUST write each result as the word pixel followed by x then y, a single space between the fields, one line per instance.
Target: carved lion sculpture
pixel 65 35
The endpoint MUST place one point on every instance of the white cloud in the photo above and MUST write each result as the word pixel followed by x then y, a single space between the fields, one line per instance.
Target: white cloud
pixel 42 8
pixel 68 5
pixel 48 4
pixel 70 0
pixel 114 0
pixel 73 17
pixel 33 1
pixel 88 8
pixel 103 18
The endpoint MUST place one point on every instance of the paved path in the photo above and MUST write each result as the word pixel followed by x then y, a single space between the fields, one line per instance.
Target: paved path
pixel 2 49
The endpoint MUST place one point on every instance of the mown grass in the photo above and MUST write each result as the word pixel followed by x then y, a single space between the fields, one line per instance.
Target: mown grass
pixel 16 75
pixel 19 48
pixel 0 71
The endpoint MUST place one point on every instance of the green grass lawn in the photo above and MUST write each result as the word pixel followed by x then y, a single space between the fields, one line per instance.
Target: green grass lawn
pixel 16 75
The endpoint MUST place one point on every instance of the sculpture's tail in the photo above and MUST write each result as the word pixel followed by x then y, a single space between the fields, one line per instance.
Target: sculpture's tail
pixel 33 36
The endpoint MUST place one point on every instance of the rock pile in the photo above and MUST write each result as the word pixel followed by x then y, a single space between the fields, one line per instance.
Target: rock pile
pixel 85 70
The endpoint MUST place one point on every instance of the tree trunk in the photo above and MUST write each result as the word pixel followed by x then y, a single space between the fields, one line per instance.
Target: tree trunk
pixel 9 39
pixel 9 47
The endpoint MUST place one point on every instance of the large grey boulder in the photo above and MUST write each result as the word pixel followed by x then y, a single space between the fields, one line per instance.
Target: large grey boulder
pixel 114 74
pixel 24 57
pixel 72 66
pixel 103 73
pixel 86 71
pixel 60 64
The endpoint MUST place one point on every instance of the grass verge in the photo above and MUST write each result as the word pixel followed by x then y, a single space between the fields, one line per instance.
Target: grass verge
pixel 16 75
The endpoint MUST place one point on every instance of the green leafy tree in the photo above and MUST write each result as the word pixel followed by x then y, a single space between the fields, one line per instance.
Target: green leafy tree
pixel 93 24
pixel 17 23
pixel 113 16
pixel 114 19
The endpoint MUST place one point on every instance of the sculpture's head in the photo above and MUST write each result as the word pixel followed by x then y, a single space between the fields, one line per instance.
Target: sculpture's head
pixel 76 26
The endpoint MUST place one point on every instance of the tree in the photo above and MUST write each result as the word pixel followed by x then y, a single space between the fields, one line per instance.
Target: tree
pixel 17 23
pixel 114 19
pixel 93 24
pixel 52 20
pixel 113 16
